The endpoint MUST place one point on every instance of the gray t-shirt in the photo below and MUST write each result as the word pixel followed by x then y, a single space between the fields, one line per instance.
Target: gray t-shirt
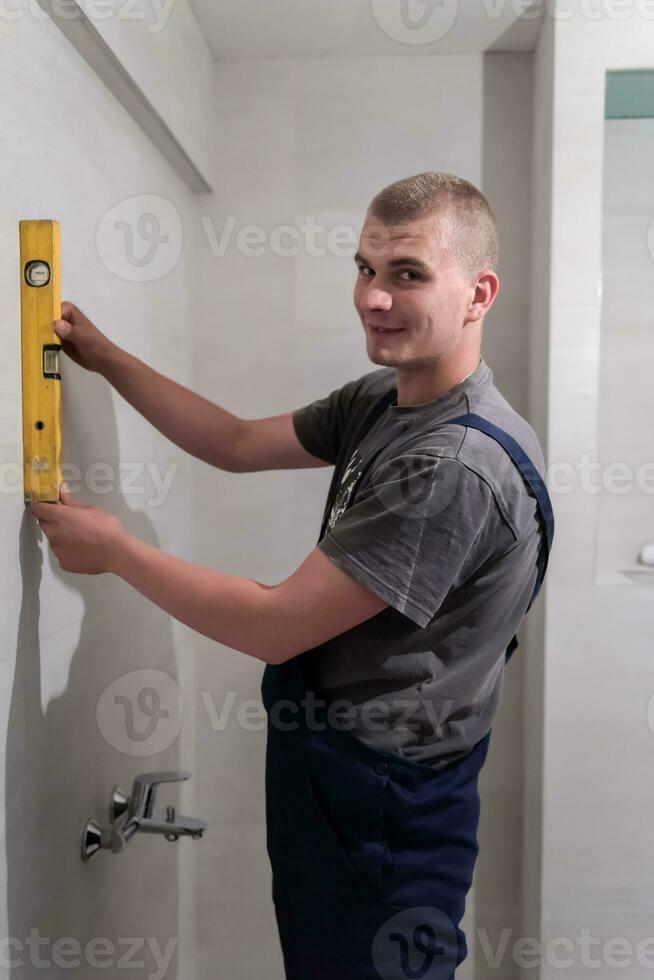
pixel 437 521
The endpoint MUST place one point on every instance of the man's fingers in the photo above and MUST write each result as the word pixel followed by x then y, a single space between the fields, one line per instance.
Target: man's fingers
pixel 69 499
pixel 67 310
pixel 44 511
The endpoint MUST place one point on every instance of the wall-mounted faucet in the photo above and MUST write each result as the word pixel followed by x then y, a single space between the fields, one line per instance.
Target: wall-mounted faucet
pixel 131 814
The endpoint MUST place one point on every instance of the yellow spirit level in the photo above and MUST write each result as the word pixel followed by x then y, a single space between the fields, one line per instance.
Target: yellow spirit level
pixel 40 298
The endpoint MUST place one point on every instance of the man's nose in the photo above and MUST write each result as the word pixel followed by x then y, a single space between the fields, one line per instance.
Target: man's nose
pixel 376 299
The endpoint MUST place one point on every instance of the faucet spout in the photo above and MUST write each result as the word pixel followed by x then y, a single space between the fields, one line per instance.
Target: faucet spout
pixel 131 814
pixel 179 826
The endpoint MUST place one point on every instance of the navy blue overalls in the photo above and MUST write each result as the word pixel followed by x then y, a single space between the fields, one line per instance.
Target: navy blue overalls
pixel 372 855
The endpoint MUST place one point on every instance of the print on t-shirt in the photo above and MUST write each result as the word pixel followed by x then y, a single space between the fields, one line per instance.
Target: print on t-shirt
pixel 345 490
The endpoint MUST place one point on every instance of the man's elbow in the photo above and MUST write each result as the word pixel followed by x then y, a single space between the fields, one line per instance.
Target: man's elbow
pixel 274 647
pixel 274 655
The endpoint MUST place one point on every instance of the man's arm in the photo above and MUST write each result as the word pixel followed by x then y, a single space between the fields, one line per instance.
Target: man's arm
pixel 202 428
pixel 272 623
pixel 193 423
pixel 270 444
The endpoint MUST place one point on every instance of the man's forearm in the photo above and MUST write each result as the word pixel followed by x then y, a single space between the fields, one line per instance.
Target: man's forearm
pixel 232 610
pixel 193 423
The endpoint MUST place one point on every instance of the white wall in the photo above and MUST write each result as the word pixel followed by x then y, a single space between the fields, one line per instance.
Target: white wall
pixel 315 139
pixel 71 152
pixel 597 787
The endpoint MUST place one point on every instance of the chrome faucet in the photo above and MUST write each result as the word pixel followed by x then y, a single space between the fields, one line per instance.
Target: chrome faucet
pixel 131 814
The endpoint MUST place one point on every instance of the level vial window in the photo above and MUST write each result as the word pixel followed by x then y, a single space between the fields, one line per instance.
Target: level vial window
pixel 37 273
pixel 51 362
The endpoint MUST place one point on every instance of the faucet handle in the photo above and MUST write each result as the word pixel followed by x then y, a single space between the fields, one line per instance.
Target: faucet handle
pixel 153 778
pixel 145 788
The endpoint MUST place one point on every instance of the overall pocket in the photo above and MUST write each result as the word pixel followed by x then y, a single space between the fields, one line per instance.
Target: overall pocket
pixel 351 812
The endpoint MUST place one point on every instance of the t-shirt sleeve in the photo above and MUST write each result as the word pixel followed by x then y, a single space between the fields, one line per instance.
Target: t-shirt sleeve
pixel 320 424
pixel 420 526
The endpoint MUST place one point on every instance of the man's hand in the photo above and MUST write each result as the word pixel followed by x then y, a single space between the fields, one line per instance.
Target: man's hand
pixel 84 539
pixel 81 340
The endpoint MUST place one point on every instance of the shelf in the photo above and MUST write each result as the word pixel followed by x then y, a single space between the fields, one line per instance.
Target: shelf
pixel 639 574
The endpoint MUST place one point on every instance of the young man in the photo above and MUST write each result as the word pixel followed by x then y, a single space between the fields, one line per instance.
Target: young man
pixel 385 649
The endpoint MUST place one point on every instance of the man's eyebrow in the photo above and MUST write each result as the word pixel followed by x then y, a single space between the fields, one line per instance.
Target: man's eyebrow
pixel 400 260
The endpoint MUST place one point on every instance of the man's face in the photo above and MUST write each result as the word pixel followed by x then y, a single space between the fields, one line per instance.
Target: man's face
pixel 408 283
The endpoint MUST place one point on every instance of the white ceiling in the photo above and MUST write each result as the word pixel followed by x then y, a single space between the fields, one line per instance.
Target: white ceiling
pixel 364 28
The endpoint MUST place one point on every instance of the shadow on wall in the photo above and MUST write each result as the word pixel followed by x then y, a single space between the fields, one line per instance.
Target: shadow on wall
pixel 62 762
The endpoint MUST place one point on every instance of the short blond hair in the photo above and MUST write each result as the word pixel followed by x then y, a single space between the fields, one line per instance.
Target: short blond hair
pixel 468 222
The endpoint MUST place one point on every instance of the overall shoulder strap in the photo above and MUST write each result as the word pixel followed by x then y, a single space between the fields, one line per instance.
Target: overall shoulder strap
pixel 535 486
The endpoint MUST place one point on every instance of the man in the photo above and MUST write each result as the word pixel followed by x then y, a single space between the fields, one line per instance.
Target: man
pixel 385 649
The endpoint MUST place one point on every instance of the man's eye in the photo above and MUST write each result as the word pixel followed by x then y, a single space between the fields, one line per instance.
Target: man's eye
pixel 409 272
pixel 363 269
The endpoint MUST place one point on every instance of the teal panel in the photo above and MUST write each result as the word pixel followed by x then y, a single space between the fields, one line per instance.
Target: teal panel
pixel 629 95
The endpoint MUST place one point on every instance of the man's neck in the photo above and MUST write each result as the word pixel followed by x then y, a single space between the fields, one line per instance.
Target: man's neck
pixel 415 387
